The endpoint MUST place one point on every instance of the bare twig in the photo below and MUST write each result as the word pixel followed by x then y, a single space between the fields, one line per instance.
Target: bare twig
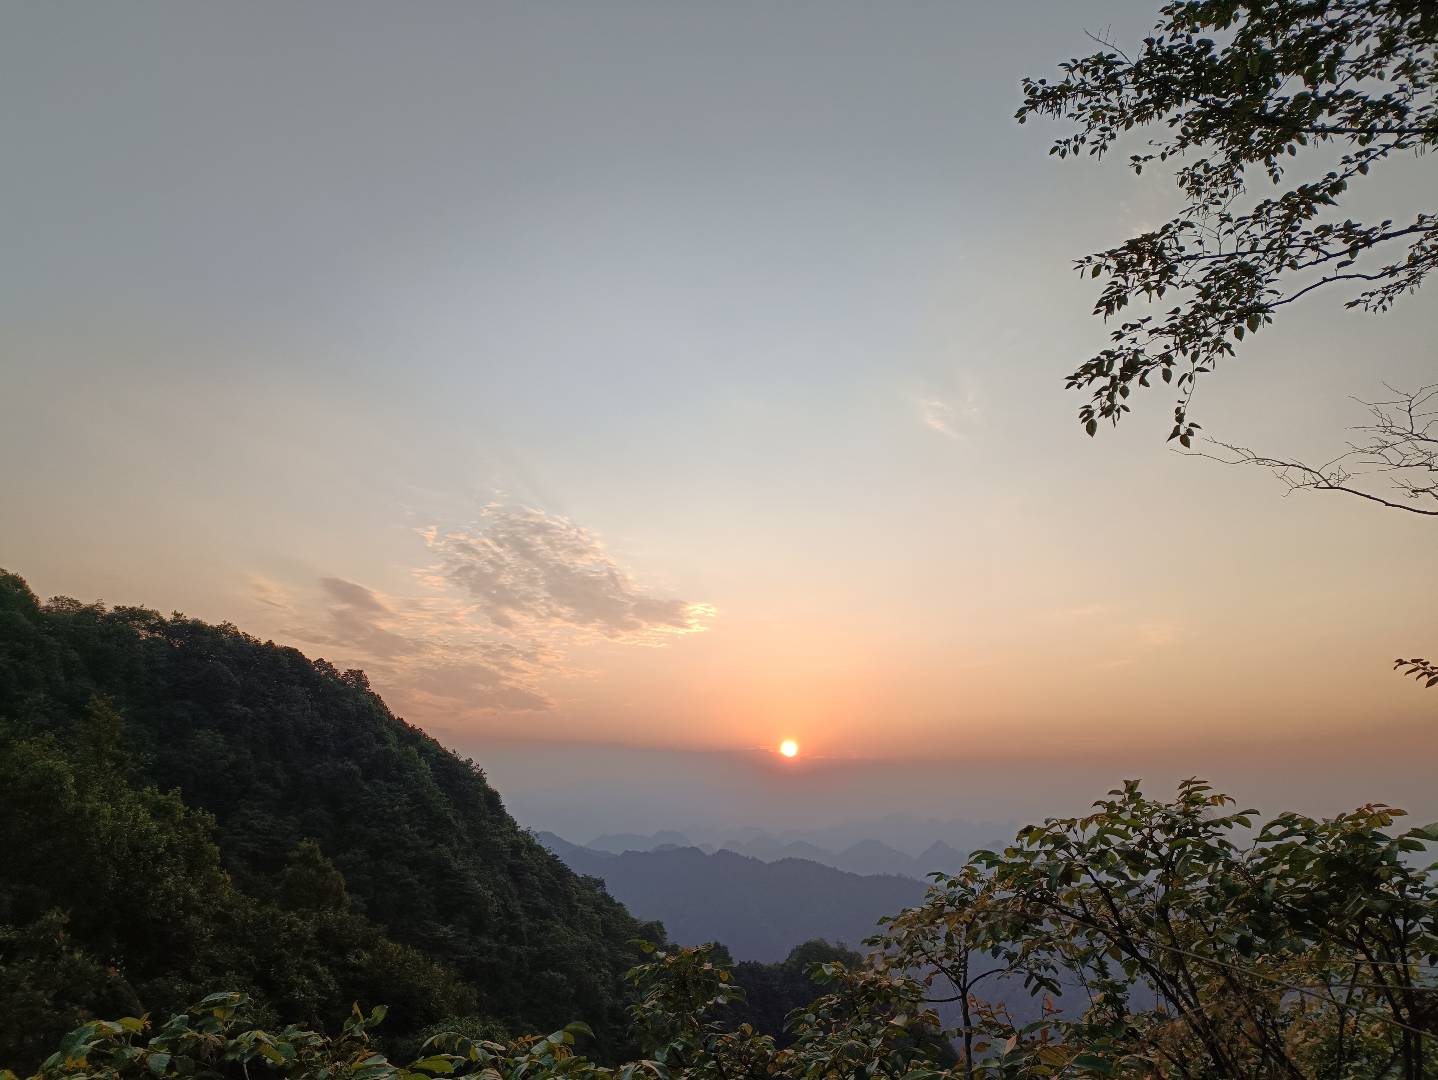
pixel 1393 464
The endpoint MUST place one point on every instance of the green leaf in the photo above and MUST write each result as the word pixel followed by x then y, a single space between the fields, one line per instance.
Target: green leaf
pixel 1093 1063
pixel 436 1063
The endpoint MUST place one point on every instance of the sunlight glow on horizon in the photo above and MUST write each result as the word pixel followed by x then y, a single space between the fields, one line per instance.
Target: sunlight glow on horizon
pixel 789 748
pixel 803 413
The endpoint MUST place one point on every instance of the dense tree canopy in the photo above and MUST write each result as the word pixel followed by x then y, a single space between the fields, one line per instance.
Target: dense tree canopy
pixel 186 799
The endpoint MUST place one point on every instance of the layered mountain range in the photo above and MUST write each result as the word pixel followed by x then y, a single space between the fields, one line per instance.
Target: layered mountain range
pixel 760 909
pixel 869 855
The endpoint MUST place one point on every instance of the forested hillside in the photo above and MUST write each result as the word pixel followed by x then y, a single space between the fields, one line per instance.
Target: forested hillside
pixel 188 807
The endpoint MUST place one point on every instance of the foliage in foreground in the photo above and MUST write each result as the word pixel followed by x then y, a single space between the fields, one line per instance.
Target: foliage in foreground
pixel 1164 939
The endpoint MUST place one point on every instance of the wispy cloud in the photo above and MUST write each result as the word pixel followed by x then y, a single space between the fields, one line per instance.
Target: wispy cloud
pixel 952 418
pixel 938 415
pixel 360 620
pixel 528 569
pixel 264 591
pixel 498 609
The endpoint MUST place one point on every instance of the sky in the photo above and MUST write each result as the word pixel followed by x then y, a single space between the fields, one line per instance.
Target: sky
pixel 627 386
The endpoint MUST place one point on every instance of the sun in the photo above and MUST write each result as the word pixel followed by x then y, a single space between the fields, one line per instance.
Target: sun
pixel 789 748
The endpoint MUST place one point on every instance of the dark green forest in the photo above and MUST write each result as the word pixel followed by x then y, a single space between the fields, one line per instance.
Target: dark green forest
pixel 187 807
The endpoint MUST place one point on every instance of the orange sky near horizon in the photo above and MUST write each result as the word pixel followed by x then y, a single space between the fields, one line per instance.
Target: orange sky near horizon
pixel 683 377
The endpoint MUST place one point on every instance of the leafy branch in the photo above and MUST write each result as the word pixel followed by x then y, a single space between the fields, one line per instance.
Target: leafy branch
pixel 1286 81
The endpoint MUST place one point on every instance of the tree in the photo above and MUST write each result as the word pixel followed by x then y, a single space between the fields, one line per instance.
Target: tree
pixel 1289 81
pixel 773 991
pixel 1306 98
pixel 1180 940
pixel 310 882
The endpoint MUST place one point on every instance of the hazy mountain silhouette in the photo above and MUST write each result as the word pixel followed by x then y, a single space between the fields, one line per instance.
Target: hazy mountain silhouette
pixel 561 847
pixel 907 833
pixel 617 842
pixel 760 910
pixel 866 856
pixel 874 857
pixel 941 856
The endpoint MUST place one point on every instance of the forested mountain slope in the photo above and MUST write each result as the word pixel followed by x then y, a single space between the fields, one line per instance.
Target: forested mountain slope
pixel 316 850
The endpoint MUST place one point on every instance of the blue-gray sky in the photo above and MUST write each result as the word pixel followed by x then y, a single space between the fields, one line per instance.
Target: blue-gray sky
pixel 676 375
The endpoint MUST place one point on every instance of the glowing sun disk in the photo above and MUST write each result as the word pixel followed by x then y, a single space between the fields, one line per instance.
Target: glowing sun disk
pixel 788 748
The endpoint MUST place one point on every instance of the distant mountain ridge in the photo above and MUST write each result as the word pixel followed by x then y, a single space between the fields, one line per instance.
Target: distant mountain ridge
pixel 618 842
pixel 760 910
pixel 866 856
